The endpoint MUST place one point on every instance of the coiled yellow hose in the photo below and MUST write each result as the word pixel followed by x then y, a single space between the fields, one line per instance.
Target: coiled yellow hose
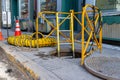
pixel 28 41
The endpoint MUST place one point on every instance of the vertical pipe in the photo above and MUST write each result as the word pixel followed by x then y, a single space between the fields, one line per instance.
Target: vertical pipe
pixel 82 51
pixel 37 30
pixel 72 31
pixel 58 35
pixel 100 34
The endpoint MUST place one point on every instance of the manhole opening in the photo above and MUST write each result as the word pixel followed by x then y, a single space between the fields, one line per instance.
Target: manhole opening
pixel 63 54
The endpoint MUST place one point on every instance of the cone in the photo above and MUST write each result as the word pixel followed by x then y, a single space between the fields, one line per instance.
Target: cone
pixel 1 37
pixel 17 29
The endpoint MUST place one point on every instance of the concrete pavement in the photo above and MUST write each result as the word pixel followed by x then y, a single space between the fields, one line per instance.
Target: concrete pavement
pixel 34 62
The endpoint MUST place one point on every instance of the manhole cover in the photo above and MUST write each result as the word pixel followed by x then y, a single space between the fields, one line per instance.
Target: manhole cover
pixel 104 67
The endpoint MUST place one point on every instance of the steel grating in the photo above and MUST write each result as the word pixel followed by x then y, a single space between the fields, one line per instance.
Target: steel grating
pixel 104 67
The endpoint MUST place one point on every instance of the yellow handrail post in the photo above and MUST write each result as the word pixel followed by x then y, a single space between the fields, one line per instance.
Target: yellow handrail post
pixel 72 31
pixel 58 38
pixel 82 51
pixel 37 30
pixel 100 34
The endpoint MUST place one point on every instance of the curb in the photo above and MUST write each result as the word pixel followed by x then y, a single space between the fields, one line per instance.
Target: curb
pixel 29 74
pixel 26 65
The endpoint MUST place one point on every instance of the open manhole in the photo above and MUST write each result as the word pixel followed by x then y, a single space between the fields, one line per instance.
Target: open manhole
pixel 64 52
pixel 68 52
pixel 104 67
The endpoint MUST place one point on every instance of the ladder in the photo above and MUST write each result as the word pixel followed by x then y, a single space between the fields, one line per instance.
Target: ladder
pixel 71 32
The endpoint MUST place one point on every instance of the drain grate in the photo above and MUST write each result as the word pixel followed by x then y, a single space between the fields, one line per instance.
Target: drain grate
pixel 104 67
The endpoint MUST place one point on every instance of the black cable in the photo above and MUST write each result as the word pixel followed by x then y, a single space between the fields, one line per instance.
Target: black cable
pixel 100 22
pixel 96 31
pixel 83 3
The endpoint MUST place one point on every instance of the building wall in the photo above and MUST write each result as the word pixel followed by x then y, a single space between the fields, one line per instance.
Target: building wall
pixel 111 32
pixel 0 14
pixel 14 10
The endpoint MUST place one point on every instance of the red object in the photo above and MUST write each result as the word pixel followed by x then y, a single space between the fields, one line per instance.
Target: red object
pixel 17 29
pixel 1 37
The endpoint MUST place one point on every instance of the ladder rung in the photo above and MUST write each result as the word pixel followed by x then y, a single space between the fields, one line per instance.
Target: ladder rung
pixel 51 17
pixel 63 18
pixel 65 43
pixel 65 30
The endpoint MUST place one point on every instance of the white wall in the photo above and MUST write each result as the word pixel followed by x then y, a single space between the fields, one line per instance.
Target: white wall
pixel 90 2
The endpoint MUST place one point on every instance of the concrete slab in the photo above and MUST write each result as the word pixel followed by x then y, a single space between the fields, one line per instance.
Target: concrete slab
pixel 46 67
pixel 66 70
pixel 53 68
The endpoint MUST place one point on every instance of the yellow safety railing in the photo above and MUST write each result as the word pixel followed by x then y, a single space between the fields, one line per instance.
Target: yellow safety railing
pixel 88 29
pixel 90 18
pixel 69 39
pixel 56 27
pixel 89 37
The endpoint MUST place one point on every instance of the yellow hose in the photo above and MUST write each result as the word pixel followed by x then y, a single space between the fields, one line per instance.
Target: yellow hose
pixel 28 41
